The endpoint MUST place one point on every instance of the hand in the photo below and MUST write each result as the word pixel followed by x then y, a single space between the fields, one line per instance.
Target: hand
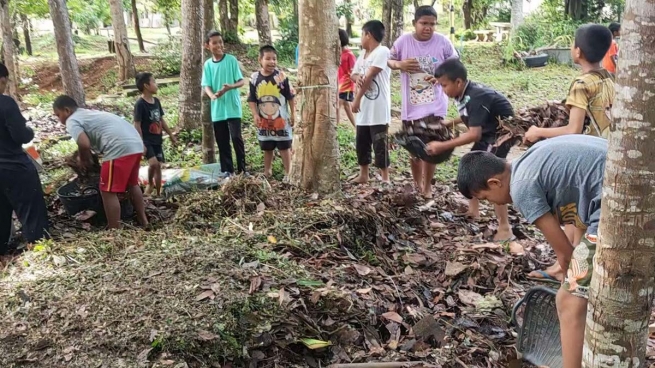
pixel 436 147
pixel 355 106
pixel 410 66
pixel 532 135
pixel 257 120
pixel 145 150
pixel 431 79
pixel 213 96
pixel 359 83
pixel 173 140
pixel 292 121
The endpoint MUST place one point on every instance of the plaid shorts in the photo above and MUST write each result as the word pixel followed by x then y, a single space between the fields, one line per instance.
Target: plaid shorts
pixel 578 276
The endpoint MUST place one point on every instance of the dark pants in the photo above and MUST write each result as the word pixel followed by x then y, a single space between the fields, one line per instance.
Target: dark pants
pixel 374 136
pixel 20 191
pixel 224 131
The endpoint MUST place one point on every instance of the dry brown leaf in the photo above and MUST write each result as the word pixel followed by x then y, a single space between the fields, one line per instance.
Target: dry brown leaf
pixel 206 335
pixel 516 248
pixel 469 297
pixel 487 246
pixel 261 207
pixel 364 291
pixel 284 297
pixel 393 316
pixel 204 295
pixel 255 284
pixel 361 269
pixel 166 362
pixel 454 268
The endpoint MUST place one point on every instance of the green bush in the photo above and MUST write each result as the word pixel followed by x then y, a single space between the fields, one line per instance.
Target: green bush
pixel 169 58
pixel 466 34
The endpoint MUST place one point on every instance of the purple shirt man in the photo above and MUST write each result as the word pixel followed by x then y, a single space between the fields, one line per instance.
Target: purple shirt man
pixel 421 98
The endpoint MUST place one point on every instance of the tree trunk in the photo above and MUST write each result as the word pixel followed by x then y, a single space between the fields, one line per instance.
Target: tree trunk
pixel 234 20
pixel 263 23
pixel 387 7
pixel 295 10
pixel 191 70
pixel 70 71
pixel 517 14
pixel 349 18
pixel 416 4
pixel 623 281
pixel 466 10
pixel 26 33
pixel 208 150
pixel 124 57
pixel 137 27
pixel 398 21
pixel 576 9
pixel 8 49
pixel 224 16
pixel 315 162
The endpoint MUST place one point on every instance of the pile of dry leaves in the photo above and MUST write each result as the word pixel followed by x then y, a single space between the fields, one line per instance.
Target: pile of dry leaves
pixel 551 115
pixel 273 277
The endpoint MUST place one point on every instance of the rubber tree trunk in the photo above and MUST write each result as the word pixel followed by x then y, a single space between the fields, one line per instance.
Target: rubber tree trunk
pixel 191 70
pixel 315 163
pixel 263 22
pixel 517 14
pixel 623 282
pixel 466 10
pixel 208 150
pixel 26 33
pixel 224 16
pixel 387 8
pixel 349 18
pixel 8 49
pixel 397 20
pixel 234 19
pixel 126 70
pixel 137 26
pixel 70 70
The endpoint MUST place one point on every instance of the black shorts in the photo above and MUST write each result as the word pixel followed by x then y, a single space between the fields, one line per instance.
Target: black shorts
pixel 375 137
pixel 154 150
pixel 500 151
pixel 272 145
pixel 347 96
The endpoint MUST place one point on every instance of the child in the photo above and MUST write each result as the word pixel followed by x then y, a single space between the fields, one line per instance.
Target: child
pixel 121 148
pixel 346 87
pixel 612 55
pixel 372 102
pixel 591 94
pixel 149 122
pixel 20 187
pixel 424 106
pixel 480 109
pixel 271 101
pixel 221 79
pixel 556 181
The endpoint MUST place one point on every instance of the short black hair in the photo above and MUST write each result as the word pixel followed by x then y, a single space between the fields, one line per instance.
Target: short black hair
pixel 375 28
pixel 593 40
pixel 453 69
pixel 343 37
pixel 142 79
pixel 614 27
pixel 475 169
pixel 266 48
pixel 63 102
pixel 424 11
pixel 4 72
pixel 212 33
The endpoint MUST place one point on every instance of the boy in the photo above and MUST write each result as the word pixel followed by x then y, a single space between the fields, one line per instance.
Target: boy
pixel 557 181
pixel 149 122
pixel 273 107
pixel 481 109
pixel 424 106
pixel 612 55
pixel 221 79
pixel 372 102
pixel 591 94
pixel 121 148
pixel 346 87
pixel 589 101
pixel 20 187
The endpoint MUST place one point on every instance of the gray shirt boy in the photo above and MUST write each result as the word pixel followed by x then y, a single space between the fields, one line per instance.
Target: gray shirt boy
pixel 564 176
pixel 110 135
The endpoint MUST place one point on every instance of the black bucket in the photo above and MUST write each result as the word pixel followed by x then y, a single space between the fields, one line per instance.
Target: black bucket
pixel 76 199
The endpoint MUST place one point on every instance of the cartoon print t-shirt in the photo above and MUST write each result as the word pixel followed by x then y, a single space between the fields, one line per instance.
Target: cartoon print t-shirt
pixel 420 98
pixel 149 115
pixel 272 93
pixel 375 108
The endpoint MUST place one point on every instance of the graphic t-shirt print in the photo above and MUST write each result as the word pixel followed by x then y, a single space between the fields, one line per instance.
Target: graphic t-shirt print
pixel 420 91
pixel 155 121
pixel 373 91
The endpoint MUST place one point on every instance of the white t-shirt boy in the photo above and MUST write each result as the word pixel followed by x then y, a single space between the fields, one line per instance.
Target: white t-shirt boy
pixel 375 108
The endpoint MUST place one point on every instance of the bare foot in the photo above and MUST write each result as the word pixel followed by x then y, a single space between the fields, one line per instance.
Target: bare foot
pixel 148 190
pixel 268 174
pixel 554 271
pixel 427 194
pixel 360 180
pixel 473 215
pixel 503 235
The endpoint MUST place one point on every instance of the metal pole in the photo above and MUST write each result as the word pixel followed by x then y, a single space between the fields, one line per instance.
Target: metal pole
pixel 452 22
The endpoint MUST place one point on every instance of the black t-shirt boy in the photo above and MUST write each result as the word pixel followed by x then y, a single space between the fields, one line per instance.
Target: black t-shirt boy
pixel 480 106
pixel 149 115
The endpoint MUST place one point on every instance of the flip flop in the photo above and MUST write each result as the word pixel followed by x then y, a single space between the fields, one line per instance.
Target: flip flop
pixel 545 278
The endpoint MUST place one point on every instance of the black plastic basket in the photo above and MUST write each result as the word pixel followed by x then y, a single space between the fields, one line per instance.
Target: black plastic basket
pixel 539 334
pixel 76 199
pixel 417 148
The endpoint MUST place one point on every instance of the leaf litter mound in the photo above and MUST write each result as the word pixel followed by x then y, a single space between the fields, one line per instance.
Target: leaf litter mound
pixel 550 115
pixel 267 276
